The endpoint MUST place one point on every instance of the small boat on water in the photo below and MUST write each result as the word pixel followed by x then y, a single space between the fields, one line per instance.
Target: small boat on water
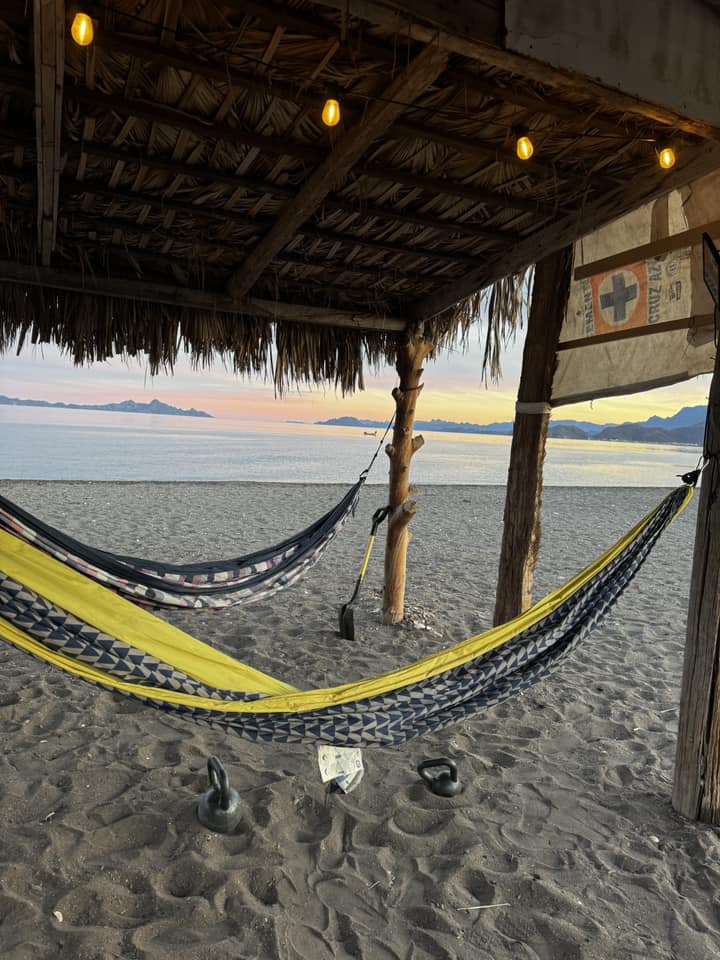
pixel 370 433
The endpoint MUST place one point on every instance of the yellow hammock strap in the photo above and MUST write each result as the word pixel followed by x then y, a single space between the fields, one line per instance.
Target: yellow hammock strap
pixel 111 614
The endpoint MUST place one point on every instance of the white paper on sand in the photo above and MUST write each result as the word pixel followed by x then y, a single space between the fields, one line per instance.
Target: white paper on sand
pixel 344 765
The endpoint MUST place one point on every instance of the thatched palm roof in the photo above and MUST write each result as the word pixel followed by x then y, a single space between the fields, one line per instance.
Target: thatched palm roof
pixel 179 190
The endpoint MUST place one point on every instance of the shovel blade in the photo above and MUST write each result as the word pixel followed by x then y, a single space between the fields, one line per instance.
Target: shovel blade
pixel 347 622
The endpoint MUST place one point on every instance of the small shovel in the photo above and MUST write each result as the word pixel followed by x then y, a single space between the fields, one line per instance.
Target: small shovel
pixel 347 614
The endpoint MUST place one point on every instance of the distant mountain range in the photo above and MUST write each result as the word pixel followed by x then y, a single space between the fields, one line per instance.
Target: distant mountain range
pixel 686 427
pixel 125 406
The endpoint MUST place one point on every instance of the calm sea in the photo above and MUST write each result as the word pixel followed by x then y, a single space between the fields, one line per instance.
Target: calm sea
pixel 45 444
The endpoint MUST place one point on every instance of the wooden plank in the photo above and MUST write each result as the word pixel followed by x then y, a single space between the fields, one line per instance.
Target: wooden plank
pixel 647 251
pixel 49 58
pixel 129 107
pixel 683 324
pixel 523 499
pixel 184 297
pixel 451 188
pixel 695 162
pixel 406 20
pixel 279 146
pixel 292 94
pixel 696 787
pixel 333 202
pixel 413 81
pixel 282 146
pixel 223 215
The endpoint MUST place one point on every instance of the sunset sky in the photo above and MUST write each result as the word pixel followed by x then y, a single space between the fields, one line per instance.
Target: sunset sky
pixel 453 390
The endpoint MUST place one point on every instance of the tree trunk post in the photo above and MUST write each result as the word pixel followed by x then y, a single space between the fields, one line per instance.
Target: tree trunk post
pixel 411 356
pixel 523 498
pixel 696 788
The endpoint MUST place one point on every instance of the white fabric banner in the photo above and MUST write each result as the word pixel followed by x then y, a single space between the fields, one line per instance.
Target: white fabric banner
pixel 645 322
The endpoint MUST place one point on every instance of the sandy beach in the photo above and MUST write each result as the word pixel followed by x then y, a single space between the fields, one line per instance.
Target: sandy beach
pixel 563 844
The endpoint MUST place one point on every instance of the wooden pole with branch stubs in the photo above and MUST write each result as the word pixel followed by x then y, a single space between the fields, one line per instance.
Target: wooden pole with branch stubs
pixel 410 359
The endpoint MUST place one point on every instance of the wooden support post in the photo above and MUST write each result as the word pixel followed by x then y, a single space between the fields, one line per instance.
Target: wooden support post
pixel 523 498
pixel 49 54
pixel 696 790
pixel 411 356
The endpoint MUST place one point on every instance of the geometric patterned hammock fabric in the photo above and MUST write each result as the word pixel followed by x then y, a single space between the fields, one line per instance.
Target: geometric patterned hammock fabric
pixel 77 625
pixel 209 584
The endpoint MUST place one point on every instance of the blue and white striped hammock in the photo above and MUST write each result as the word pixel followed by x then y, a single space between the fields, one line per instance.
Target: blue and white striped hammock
pixel 209 584
pixel 75 624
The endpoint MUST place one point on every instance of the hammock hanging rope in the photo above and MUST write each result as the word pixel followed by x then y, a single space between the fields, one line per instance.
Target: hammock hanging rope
pixel 72 623
pixel 206 585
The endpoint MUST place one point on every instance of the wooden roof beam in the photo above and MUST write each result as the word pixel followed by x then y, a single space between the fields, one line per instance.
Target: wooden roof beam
pixel 695 162
pixel 205 129
pixel 405 88
pixel 291 93
pixel 214 266
pixel 582 119
pixel 272 14
pixel 449 27
pixel 193 265
pixel 185 297
pixel 49 57
pixel 333 202
pixel 208 245
pixel 257 224
pixel 282 146
pixel 452 188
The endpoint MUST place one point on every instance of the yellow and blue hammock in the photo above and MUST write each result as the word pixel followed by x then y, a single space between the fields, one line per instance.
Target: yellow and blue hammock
pixel 209 584
pixel 75 624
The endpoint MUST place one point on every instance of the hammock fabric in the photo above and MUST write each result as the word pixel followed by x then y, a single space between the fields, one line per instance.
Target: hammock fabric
pixel 209 584
pixel 70 622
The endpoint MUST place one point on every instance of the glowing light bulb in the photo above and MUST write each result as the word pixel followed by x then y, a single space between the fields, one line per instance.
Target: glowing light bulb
pixel 666 158
pixel 524 147
pixel 331 113
pixel 82 30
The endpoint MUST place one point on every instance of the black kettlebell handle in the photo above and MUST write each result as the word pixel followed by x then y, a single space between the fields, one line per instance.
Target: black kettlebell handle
pixel 427 765
pixel 219 781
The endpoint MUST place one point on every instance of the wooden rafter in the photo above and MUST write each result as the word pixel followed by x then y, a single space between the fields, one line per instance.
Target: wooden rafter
pixel 332 202
pixel 451 188
pixel 49 55
pixel 419 21
pixel 257 224
pixel 283 146
pixel 185 297
pixel 205 246
pixel 291 93
pixel 696 162
pixel 413 81
pixel 271 14
pixel 364 296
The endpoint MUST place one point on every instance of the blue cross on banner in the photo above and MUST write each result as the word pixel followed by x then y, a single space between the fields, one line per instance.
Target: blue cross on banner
pixel 618 298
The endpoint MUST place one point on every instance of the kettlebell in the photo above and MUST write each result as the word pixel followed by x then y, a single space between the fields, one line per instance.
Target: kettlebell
pixel 220 809
pixel 445 784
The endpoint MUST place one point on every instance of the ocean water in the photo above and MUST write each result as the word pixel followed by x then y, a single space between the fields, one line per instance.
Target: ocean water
pixel 46 444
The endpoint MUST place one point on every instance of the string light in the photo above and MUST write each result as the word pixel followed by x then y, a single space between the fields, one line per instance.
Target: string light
pixel 524 146
pixel 82 30
pixel 331 113
pixel 666 158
